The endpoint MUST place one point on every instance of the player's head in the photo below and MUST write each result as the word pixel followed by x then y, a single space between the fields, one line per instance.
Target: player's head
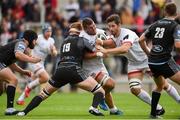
pixel 47 30
pixel 89 26
pixel 31 37
pixel 170 9
pixel 114 24
pixel 75 28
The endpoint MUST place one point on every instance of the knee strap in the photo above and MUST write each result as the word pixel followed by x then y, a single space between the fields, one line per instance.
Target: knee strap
pixel 135 83
pixel 96 88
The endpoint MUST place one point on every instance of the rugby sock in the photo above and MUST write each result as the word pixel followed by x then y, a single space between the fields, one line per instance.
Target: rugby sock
pixel 114 109
pixel 22 97
pixel 155 100
pixel 98 97
pixel 145 97
pixel 173 93
pixel 33 83
pixel 33 104
pixel 10 96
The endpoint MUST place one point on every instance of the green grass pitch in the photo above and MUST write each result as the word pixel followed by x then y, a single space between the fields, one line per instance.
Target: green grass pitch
pixel 75 106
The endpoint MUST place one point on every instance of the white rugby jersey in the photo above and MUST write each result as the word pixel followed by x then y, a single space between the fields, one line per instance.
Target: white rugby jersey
pixel 93 65
pixel 135 53
pixel 42 48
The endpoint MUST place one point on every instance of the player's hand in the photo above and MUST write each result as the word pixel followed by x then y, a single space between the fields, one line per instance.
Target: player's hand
pixel 100 54
pixel 99 42
pixel 101 49
pixel 53 50
pixel 27 73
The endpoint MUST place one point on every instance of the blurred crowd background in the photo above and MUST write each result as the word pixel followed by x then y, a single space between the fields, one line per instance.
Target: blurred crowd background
pixel 19 15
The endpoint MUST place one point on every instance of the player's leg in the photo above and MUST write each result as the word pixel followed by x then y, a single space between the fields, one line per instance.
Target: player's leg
pixel 172 71
pixel 156 93
pixel 2 86
pixel 135 84
pixel 171 89
pixel 51 86
pixel 41 77
pixel 91 85
pixel 102 79
pixel 7 75
pixel 45 93
pixel 108 84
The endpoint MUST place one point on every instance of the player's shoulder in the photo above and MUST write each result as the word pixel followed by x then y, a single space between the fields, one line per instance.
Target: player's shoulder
pixel 99 30
pixel 125 31
pixel 51 39
pixel 82 33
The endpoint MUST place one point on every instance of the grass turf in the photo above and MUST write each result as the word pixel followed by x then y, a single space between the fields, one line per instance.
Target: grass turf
pixel 75 106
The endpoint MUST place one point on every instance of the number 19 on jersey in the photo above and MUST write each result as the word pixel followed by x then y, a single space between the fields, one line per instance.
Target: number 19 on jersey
pixel 66 47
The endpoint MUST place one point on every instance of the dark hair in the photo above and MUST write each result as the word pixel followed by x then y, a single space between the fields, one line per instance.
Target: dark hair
pixel 30 35
pixel 170 9
pixel 113 18
pixel 86 21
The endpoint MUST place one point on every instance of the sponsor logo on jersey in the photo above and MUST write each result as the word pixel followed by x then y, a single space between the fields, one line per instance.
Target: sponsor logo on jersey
pixel 157 48
pixel 21 47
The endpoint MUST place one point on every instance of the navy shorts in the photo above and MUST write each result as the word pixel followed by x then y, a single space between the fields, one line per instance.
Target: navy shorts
pixel 65 74
pixel 167 70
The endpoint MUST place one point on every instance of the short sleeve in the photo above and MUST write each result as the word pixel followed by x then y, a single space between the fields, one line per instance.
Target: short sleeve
pixel 176 33
pixel 88 45
pixel 130 38
pixel 20 46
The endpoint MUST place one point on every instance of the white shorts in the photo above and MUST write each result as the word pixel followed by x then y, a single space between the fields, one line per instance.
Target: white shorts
pixel 95 70
pixel 36 68
pixel 138 66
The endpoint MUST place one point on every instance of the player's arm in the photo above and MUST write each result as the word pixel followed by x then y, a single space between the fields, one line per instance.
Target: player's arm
pixel 23 57
pixel 53 50
pixel 143 44
pixel 109 43
pixel 176 36
pixel 19 53
pixel 91 50
pixel 118 50
pixel 144 38
pixel 17 68
pixel 177 46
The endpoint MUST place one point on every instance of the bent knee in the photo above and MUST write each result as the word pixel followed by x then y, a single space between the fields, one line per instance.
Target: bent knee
pixel 135 91
pixel 109 85
pixel 44 79
pixel 101 90
pixel 98 88
pixel 135 86
pixel 13 81
pixel 44 94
